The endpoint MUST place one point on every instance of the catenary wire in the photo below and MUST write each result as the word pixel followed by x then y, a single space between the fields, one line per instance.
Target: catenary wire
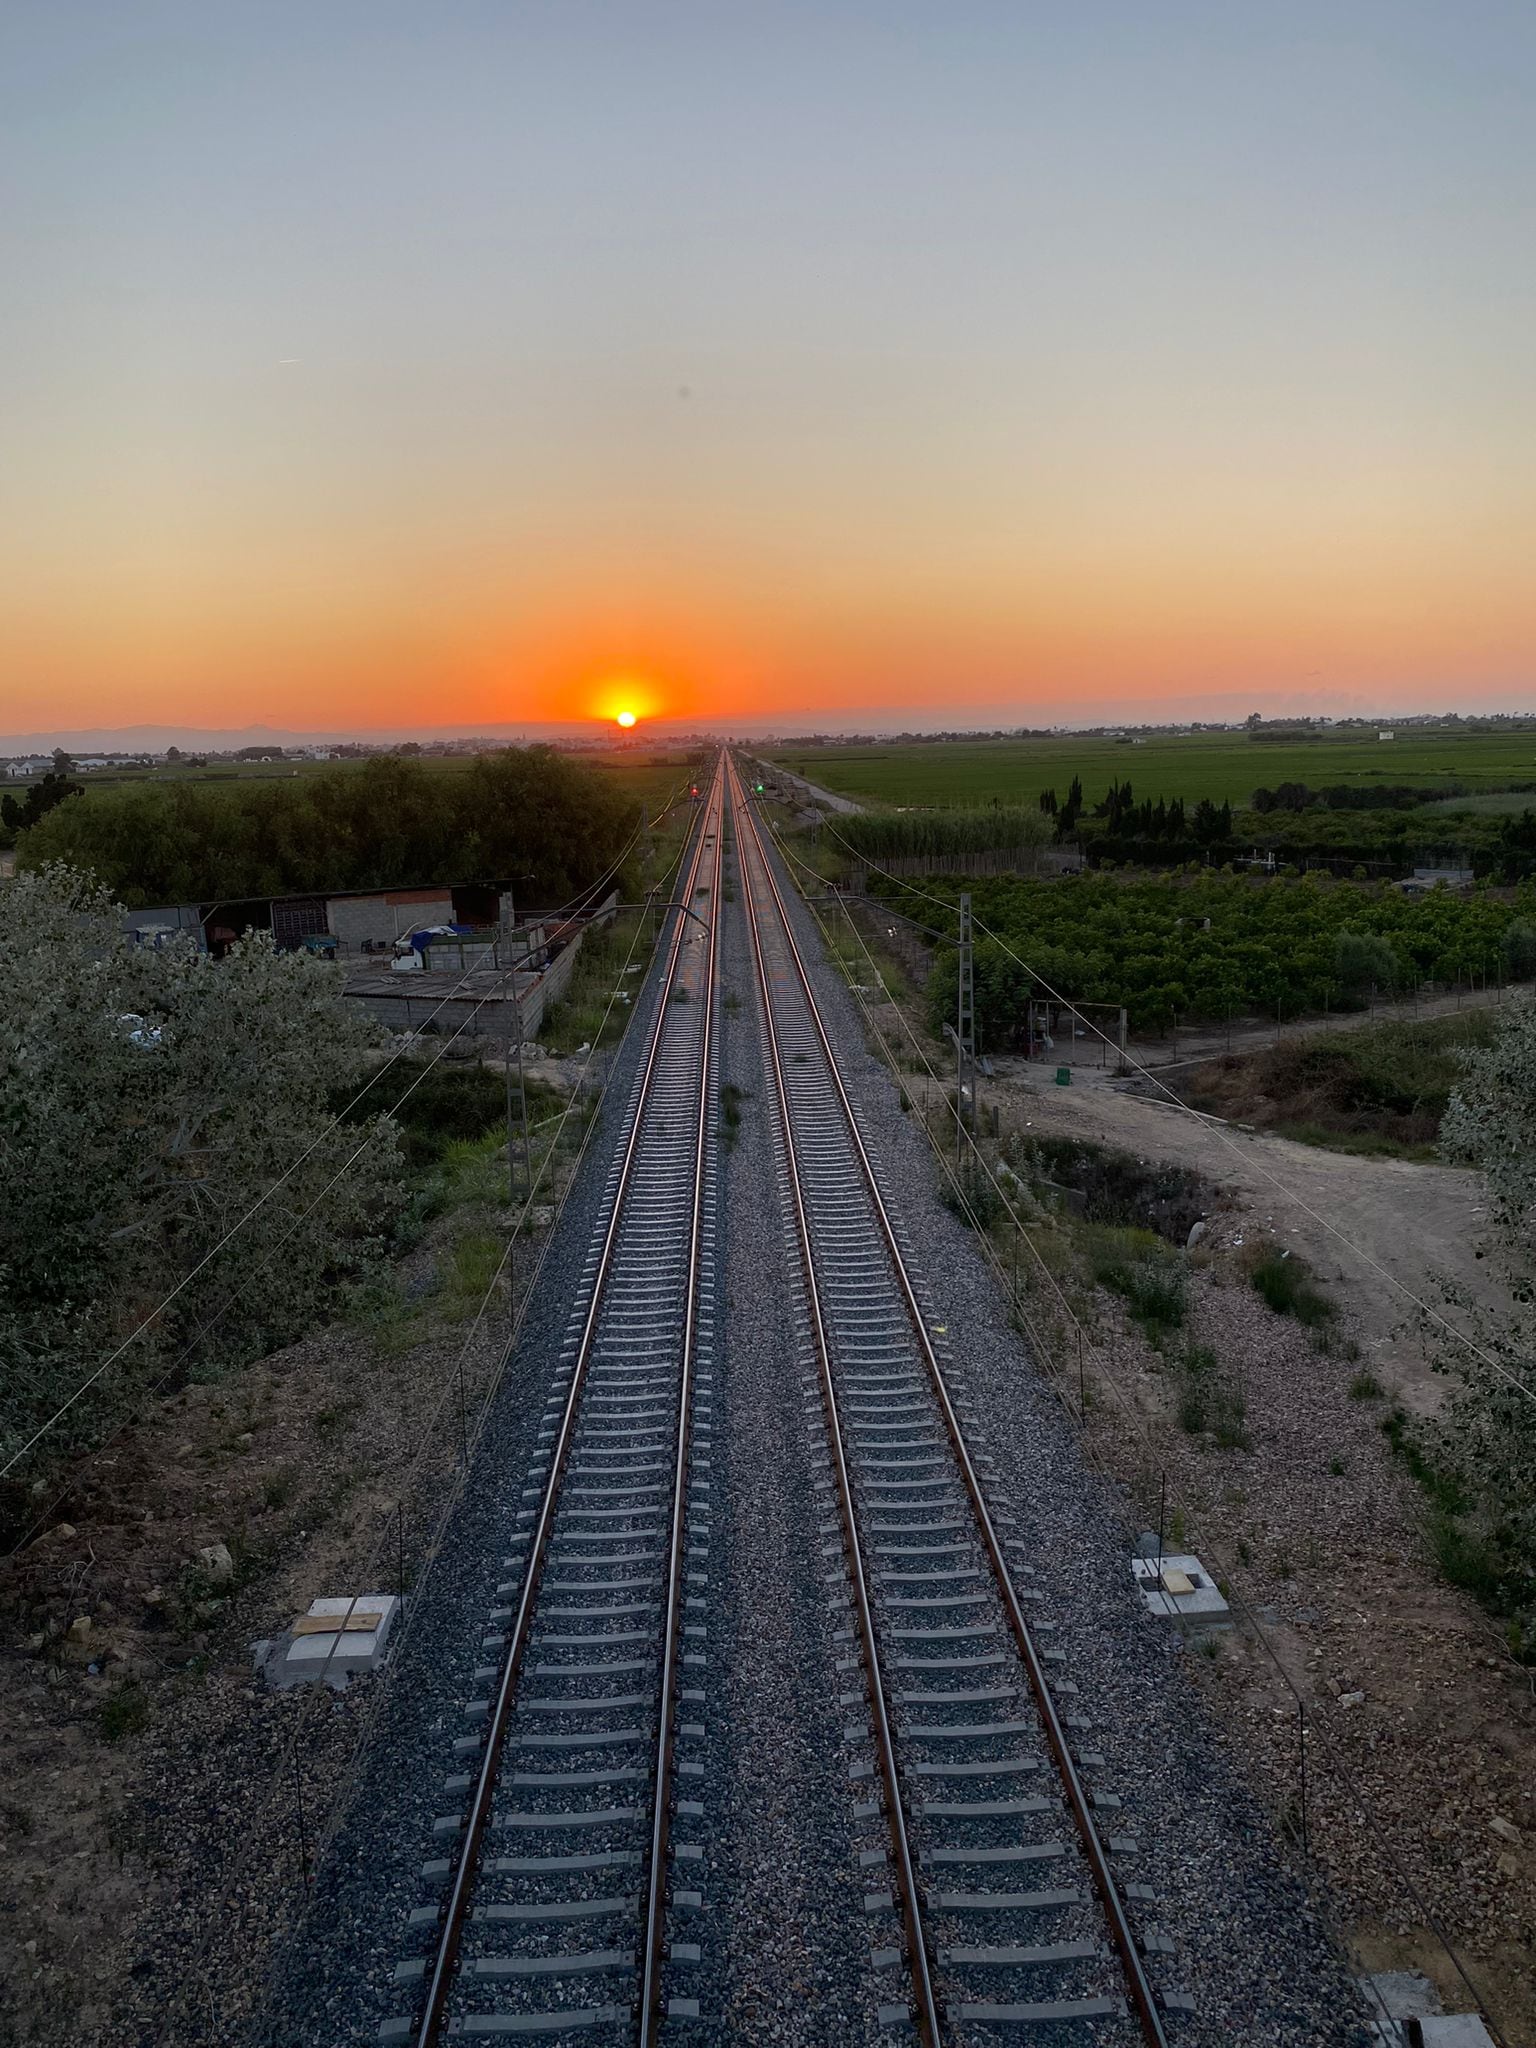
pixel 1207 1123
pixel 152 1315
pixel 1337 1766
pixel 434 1547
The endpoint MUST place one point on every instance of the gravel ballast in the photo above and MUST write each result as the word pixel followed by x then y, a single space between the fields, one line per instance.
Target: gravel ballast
pixel 1251 1946
pixel 786 1948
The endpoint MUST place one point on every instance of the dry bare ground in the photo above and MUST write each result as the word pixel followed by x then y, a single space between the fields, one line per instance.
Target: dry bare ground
pixel 1411 1222
pixel 1422 1728
pixel 150 1815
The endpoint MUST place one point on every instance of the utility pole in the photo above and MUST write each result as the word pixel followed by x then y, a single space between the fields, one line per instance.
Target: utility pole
pixel 509 970
pixel 965 1020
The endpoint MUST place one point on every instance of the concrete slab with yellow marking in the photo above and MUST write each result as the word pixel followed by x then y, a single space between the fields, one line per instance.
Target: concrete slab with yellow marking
pixel 338 1639
pixel 1178 1588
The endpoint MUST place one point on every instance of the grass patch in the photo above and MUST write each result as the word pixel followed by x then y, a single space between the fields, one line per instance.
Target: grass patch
pixel 472 1264
pixel 1147 1275
pixel 977 770
pixel 473 1172
pixel 1286 1285
pixel 331 1417
pixel 280 1488
pixel 731 1099
pixel 379 1308
pixel 124 1712
pixel 1359 1144
pixel 1366 1387
pixel 1208 1402
pixel 585 1017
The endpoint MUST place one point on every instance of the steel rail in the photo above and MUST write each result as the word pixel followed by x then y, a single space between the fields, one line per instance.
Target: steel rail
pixel 918 1961
pixel 434 2020
pixel 661 1816
pixel 1143 1996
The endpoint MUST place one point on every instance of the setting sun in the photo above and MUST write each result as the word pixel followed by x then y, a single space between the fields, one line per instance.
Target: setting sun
pixel 626 719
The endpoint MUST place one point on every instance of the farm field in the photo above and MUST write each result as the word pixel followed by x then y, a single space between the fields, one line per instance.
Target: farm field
pixel 1218 765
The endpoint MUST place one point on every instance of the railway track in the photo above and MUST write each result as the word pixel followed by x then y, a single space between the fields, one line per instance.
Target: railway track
pixel 557 1906
pixel 977 1787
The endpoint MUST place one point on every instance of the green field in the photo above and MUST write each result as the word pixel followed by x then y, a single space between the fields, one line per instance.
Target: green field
pixel 1217 765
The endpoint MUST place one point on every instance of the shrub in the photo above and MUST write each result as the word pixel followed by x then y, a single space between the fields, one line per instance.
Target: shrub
pixel 1285 1282
pixel 148 1100
pixel 124 1712
pixel 972 1197
pixel 1207 1402
pixel 1144 1272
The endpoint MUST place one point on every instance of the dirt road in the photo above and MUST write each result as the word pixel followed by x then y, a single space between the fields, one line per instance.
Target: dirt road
pixel 828 799
pixel 1412 1223
pixel 1194 1043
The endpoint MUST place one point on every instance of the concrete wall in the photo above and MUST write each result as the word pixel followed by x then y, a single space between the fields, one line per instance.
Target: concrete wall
pixel 496 1019
pixel 387 915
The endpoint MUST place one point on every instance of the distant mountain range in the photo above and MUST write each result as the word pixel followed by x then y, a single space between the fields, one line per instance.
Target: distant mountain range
pixel 154 739
pixel 1060 717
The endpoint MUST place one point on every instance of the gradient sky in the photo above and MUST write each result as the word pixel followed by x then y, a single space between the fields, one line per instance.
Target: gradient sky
pixel 375 363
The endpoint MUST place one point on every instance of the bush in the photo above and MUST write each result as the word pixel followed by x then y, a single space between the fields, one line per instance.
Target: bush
pixel 972 1196
pixel 1286 1285
pixel 1364 962
pixel 124 1712
pixel 1116 1187
pixel 148 1099
pixel 438 1105
pixel 1144 1272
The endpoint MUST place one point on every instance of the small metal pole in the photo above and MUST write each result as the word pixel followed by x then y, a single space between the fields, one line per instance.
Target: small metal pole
pixel 1082 1379
pixel 463 1418
pixel 965 1017
pixel 400 1545
pixel 1162 1512
pixel 1301 1719
pixel 522 1097
pixel 298 1800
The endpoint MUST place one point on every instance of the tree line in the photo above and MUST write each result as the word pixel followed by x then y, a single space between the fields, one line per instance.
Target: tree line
pixel 1381 828
pixel 980 828
pixel 526 813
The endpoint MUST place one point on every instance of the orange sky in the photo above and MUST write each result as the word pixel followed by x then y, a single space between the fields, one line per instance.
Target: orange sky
pixel 841 363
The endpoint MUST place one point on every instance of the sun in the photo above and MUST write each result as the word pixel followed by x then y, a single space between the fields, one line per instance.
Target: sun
pixel 626 719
